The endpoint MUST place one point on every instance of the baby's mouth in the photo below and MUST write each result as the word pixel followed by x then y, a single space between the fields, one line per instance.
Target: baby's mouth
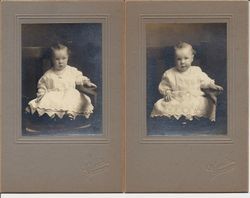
pixel 60 67
pixel 183 68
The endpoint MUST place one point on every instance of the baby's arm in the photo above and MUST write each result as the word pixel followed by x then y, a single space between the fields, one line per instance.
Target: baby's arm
pixel 165 88
pixel 208 83
pixel 88 83
pixel 83 80
pixel 209 87
pixel 215 87
pixel 41 88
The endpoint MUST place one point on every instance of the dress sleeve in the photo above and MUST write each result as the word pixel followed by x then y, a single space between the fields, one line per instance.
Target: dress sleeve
pixel 205 80
pixel 80 78
pixel 165 85
pixel 41 86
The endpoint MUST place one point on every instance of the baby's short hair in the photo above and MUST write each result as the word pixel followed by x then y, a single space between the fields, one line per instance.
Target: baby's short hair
pixel 58 46
pixel 181 45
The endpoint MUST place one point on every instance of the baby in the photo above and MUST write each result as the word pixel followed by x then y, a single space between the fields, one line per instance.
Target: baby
pixel 183 89
pixel 57 93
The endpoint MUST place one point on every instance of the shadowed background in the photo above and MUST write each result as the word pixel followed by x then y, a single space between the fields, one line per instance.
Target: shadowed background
pixel 85 42
pixel 210 42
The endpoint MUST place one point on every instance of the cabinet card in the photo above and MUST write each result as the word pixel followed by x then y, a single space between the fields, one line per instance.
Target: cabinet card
pixel 61 74
pixel 187 96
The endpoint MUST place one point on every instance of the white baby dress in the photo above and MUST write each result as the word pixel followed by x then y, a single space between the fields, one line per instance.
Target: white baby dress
pixel 61 96
pixel 188 99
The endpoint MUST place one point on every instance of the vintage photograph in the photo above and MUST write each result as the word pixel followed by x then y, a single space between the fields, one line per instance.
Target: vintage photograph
pixel 61 79
pixel 186 78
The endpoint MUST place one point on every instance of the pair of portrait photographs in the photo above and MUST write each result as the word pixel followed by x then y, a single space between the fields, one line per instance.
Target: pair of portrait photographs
pixel 124 96
pixel 62 69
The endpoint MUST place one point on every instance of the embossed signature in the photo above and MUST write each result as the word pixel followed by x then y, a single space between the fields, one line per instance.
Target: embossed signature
pixel 220 168
pixel 92 169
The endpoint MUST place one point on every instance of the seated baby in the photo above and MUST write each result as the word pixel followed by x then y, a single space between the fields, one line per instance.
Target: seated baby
pixel 183 88
pixel 56 90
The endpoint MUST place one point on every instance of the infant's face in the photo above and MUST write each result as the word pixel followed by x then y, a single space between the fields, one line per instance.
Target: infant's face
pixel 60 59
pixel 184 58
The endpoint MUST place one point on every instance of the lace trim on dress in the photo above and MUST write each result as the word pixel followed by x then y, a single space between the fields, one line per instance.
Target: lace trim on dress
pixel 188 113
pixel 60 113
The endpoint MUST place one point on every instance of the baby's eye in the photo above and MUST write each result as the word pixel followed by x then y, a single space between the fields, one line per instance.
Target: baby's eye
pixel 186 58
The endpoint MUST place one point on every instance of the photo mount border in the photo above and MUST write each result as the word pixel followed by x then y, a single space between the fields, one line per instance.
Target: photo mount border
pixel 103 19
pixel 231 102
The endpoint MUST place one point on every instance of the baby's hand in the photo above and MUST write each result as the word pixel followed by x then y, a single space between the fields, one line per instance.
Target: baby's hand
pixel 39 95
pixel 86 82
pixel 168 96
pixel 90 85
pixel 216 87
pixel 38 98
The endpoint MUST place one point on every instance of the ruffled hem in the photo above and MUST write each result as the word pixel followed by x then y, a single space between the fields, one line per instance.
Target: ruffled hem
pixel 187 116
pixel 60 113
pixel 197 108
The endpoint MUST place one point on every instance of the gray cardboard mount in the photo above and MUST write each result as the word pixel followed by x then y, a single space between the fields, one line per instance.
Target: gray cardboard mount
pixel 61 164
pixel 191 163
pixel 131 161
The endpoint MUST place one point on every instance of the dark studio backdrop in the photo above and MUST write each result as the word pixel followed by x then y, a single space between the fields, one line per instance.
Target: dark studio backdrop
pixel 85 42
pixel 210 42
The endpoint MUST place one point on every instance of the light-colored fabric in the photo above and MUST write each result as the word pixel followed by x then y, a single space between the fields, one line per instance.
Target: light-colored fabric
pixel 187 98
pixel 57 94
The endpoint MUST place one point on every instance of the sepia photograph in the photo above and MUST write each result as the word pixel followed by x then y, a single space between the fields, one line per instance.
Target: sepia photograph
pixel 186 78
pixel 61 79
